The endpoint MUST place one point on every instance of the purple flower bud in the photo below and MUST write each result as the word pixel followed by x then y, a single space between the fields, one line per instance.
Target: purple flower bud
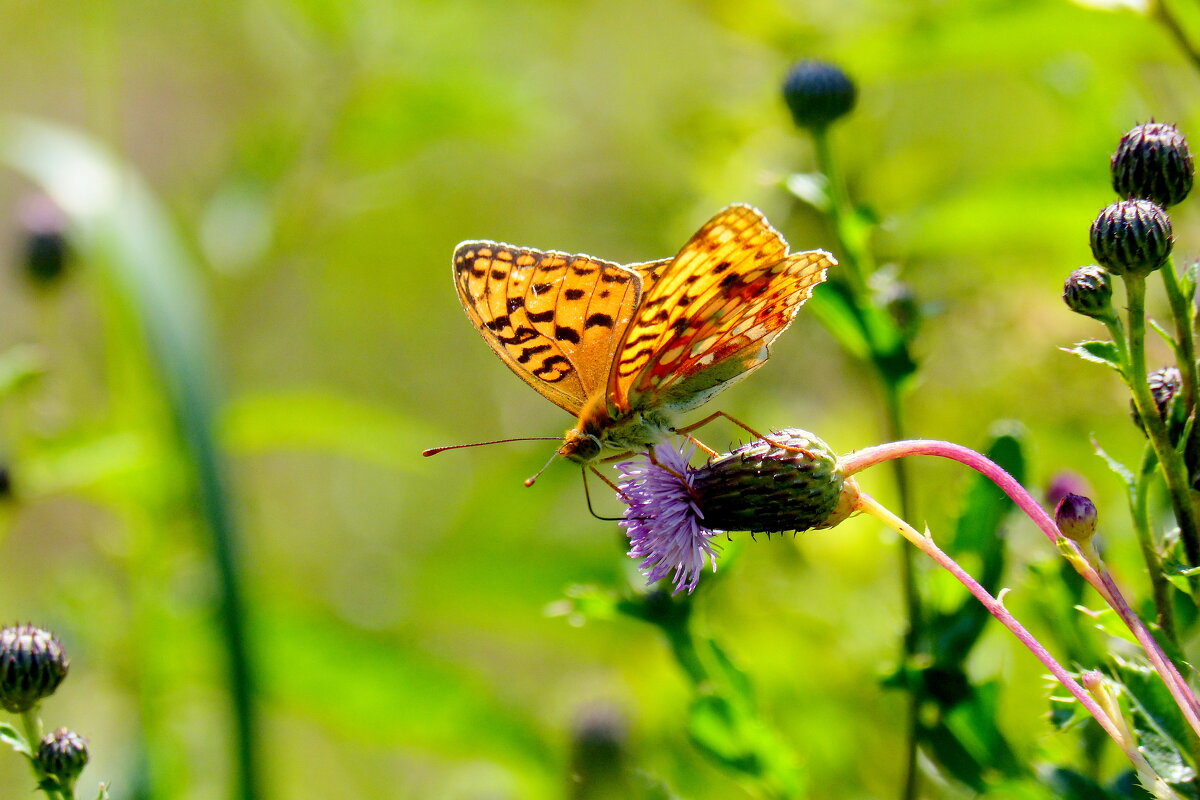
pixel 1132 237
pixel 32 665
pixel 1088 291
pixel 1153 163
pixel 1075 517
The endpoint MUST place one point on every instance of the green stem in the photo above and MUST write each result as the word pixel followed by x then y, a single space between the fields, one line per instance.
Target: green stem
pixel 32 727
pixel 1183 336
pixel 1138 506
pixel 855 256
pixel 860 264
pixel 1172 465
pixel 1164 15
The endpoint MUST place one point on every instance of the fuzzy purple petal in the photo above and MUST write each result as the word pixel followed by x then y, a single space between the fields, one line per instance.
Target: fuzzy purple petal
pixel 662 521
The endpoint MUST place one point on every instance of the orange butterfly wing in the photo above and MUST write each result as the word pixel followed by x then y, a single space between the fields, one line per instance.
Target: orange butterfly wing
pixel 554 318
pixel 708 320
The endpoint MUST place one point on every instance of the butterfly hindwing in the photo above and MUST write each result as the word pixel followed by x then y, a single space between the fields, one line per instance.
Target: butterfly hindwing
pixel 708 320
pixel 554 318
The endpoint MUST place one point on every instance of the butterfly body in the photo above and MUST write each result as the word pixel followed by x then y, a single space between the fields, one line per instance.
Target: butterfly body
pixel 625 348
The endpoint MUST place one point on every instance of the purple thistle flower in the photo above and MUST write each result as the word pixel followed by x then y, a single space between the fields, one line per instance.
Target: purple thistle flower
pixel 789 482
pixel 662 520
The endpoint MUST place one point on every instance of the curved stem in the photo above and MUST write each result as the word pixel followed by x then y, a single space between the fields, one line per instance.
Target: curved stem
pixel 1103 584
pixel 869 505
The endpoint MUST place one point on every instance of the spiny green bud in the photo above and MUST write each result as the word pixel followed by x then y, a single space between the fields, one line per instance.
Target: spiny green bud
pixel 1132 237
pixel 32 665
pixel 789 481
pixel 1088 291
pixel 817 93
pixel 1153 163
pixel 63 755
pixel 1075 517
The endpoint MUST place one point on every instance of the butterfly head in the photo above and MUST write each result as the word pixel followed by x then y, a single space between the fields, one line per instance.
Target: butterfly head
pixel 580 447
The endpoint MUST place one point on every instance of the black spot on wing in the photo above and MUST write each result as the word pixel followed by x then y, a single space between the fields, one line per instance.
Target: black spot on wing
pixel 599 320
pixel 529 352
pixel 566 335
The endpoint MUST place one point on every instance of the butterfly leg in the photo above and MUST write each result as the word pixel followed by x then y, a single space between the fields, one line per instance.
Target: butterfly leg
pixel 686 431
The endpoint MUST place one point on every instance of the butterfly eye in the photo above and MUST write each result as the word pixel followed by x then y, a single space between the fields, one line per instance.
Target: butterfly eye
pixel 581 448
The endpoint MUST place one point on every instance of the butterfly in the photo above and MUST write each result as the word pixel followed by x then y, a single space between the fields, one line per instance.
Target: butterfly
pixel 625 348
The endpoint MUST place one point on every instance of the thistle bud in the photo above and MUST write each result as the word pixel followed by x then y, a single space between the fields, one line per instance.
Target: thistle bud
pixel 1132 237
pixel 1075 517
pixel 1088 291
pixel 63 755
pixel 46 249
pixel 789 481
pixel 32 665
pixel 817 93
pixel 1153 163
pixel 1165 384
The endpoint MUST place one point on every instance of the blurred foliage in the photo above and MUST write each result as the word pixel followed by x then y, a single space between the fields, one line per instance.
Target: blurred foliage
pixel 319 160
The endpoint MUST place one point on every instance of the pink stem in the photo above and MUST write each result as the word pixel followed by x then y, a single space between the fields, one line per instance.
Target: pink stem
pixel 1000 612
pixel 857 461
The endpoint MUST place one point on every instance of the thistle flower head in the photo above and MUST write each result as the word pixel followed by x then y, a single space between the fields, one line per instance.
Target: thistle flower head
pixel 1088 291
pixel 1132 237
pixel 789 481
pixel 63 755
pixel 1153 163
pixel 817 93
pixel 32 665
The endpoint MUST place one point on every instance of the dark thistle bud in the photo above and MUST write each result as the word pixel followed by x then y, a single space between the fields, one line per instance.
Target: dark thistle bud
pixel 1153 162
pixel 1132 237
pixel 1165 385
pixel 1088 291
pixel 817 93
pixel 1075 517
pixel 45 245
pixel 63 755
pixel 901 303
pixel 32 665
pixel 789 481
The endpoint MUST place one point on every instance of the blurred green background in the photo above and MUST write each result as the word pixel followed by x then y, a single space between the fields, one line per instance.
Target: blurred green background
pixel 319 160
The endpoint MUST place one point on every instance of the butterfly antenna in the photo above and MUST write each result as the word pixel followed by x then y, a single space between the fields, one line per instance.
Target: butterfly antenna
pixel 529 481
pixel 433 451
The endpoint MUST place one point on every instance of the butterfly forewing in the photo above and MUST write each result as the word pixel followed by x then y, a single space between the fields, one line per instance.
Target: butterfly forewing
pixel 554 318
pixel 706 322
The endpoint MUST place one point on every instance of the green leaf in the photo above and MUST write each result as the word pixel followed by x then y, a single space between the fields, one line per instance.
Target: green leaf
pixel 13 738
pixel 740 742
pixel 1188 285
pixel 1123 472
pixel 1070 785
pixel 1158 723
pixel 835 311
pixel 1098 352
pixel 810 188
pixel 20 366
